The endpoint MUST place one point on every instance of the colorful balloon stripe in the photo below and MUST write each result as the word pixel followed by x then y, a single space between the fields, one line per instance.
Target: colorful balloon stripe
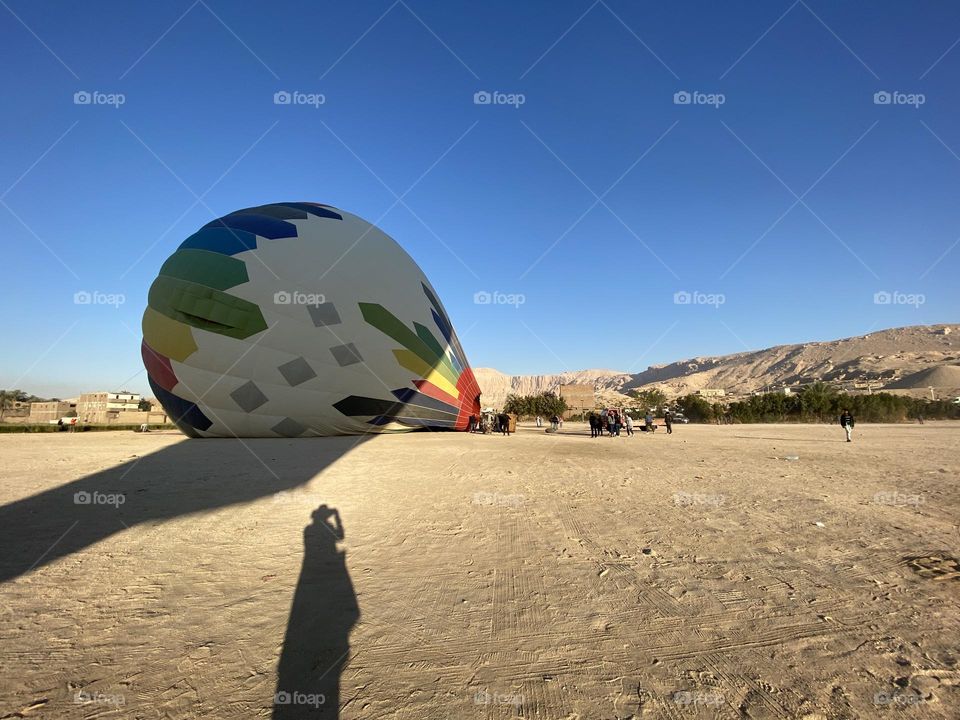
pixel 205 308
pixel 187 416
pixel 158 367
pixel 219 271
pixel 262 225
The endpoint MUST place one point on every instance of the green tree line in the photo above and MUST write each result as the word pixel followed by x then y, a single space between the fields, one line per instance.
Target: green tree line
pixel 545 405
pixel 818 402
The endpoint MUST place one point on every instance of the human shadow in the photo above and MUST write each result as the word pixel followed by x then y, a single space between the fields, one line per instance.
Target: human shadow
pixel 324 610
pixel 198 476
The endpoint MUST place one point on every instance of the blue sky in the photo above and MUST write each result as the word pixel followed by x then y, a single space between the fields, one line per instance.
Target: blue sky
pixel 794 201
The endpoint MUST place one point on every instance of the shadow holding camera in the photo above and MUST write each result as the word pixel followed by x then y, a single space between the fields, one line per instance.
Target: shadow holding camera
pixel 199 476
pixel 324 610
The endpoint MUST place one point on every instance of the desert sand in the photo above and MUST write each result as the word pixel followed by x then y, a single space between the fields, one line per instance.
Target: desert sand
pixel 421 576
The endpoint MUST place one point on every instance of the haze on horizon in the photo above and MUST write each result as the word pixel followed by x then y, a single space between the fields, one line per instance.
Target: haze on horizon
pixel 652 183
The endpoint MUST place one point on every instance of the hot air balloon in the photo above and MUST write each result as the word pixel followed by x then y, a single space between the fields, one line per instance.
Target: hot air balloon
pixel 298 319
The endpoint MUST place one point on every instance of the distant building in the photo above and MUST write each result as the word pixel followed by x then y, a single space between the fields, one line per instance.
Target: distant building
pixel 579 398
pixel 102 408
pixel 711 392
pixel 45 412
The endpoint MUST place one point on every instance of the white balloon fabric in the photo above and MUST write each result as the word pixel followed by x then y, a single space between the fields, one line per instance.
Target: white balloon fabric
pixel 296 320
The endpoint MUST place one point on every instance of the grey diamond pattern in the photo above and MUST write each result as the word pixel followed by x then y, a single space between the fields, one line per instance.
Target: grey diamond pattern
pixel 248 396
pixel 288 427
pixel 324 314
pixel 297 371
pixel 346 354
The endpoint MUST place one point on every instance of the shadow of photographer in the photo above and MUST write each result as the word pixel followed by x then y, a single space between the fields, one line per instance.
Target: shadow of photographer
pixel 195 477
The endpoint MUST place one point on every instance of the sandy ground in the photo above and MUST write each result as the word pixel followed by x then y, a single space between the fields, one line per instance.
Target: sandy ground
pixel 538 576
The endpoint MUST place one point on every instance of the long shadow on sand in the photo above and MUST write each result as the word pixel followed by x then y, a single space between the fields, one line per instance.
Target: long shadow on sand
pixel 324 610
pixel 198 476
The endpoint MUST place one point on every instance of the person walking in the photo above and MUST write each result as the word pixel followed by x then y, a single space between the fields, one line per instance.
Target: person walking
pixel 847 422
pixel 648 421
pixel 668 421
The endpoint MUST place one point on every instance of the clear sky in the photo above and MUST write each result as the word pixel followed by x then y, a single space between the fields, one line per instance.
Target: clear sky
pixel 785 188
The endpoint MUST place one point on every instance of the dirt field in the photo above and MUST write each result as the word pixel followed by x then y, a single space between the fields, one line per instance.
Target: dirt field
pixel 452 576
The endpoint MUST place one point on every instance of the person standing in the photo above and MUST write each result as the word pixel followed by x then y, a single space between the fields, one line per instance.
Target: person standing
pixel 539 421
pixel 668 421
pixel 629 423
pixel 648 421
pixel 847 422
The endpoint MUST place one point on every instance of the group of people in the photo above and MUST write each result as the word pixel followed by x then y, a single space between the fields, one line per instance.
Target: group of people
pixel 556 422
pixel 490 422
pixel 610 422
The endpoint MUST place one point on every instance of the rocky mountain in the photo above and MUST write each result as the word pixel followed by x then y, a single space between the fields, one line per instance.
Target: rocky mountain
pixel 908 359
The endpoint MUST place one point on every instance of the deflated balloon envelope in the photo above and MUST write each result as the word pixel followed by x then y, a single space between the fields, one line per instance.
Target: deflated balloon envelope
pixel 299 319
